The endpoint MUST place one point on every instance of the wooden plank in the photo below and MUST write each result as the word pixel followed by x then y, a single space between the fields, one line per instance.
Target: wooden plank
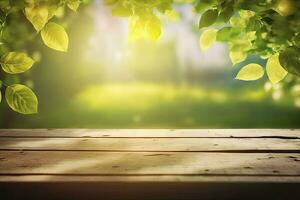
pixel 151 144
pixel 121 163
pixel 151 178
pixel 202 133
pixel 149 164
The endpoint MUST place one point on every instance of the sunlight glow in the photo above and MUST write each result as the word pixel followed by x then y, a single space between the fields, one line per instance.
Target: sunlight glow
pixel 142 96
pixel 110 45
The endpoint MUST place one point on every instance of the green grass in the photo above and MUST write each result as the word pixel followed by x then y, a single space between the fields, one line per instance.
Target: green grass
pixel 140 105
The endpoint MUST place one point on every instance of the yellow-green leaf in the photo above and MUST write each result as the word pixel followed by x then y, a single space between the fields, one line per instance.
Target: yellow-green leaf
pixel 55 37
pixel 53 8
pixel 208 18
pixel 21 99
pixel 246 14
pixel 274 69
pixel 208 38
pixel 37 15
pixel 14 62
pixel 59 12
pixel 136 27
pixel 153 28
pixel 120 10
pixel 237 56
pixel 144 26
pixel 250 72
pixel 73 4
pixel 289 59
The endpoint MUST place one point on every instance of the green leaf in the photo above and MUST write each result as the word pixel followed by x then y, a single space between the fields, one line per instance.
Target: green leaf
pixel 144 26
pixel 37 15
pixel 238 22
pixel 201 5
pixel 53 9
pixel 289 59
pixel 162 7
pixel 253 24
pixel 297 40
pixel 136 27
pixel 55 37
pixel 250 36
pixel 73 4
pixel 208 38
pixel 274 70
pixel 21 99
pixel 121 11
pixel 241 45
pixel 0 96
pixel 250 72
pixel 225 15
pixel 15 63
pixel 246 14
pixel 237 56
pixel 226 34
pixel 153 28
pixel 208 18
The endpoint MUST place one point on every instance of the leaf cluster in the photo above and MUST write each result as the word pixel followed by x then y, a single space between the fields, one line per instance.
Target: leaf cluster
pixel 269 29
pixel 144 22
pixel 39 13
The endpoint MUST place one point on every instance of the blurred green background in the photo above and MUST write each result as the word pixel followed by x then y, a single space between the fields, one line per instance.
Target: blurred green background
pixel 106 81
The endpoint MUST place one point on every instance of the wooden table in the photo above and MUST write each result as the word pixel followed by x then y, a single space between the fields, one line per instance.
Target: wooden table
pixel 149 164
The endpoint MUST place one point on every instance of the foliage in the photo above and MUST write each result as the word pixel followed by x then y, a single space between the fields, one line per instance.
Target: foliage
pixel 21 99
pixel 143 19
pixel 250 72
pixel 39 13
pixel 267 28
pixel 55 37
pixel 208 38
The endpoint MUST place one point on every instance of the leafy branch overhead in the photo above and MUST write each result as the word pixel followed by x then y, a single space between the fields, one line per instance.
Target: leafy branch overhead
pixel 269 29
pixel 266 28
pixel 39 13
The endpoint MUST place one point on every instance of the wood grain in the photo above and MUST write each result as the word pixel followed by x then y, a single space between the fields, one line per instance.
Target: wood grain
pixel 149 164
pixel 152 133
pixel 150 155
pixel 151 144
pixel 118 163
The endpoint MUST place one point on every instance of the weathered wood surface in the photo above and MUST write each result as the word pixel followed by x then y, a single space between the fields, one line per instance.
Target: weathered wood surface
pixel 181 161
pixel 152 133
pixel 119 163
pixel 151 144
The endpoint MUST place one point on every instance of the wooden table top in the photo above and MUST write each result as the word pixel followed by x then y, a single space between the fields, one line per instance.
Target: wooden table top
pixel 153 156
